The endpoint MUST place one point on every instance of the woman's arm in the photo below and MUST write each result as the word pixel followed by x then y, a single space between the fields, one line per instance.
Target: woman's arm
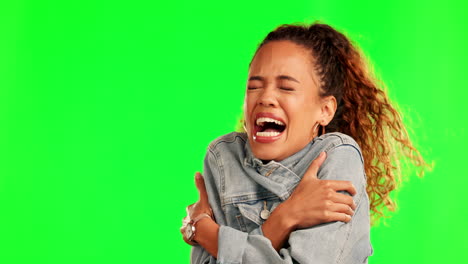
pixel 335 242
pixel 276 229
pixel 313 202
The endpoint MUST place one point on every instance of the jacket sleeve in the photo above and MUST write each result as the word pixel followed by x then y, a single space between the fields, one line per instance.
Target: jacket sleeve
pixel 211 172
pixel 199 255
pixel 335 242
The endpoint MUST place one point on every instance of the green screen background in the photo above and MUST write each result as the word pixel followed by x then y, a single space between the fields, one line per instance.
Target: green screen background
pixel 107 107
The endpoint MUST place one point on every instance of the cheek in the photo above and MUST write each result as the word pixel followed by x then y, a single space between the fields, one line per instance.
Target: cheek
pixel 303 116
pixel 248 108
pixel 249 103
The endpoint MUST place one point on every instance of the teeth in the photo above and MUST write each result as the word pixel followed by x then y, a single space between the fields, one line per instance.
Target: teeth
pixel 268 134
pixel 262 120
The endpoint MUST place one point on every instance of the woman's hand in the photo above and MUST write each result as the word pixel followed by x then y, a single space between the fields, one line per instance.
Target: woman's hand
pixel 313 202
pixel 202 206
pixel 206 229
pixel 316 201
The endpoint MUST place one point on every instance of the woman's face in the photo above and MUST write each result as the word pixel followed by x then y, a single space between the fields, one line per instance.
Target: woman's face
pixel 282 102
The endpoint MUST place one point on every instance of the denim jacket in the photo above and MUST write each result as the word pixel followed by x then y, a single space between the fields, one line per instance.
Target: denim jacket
pixel 240 186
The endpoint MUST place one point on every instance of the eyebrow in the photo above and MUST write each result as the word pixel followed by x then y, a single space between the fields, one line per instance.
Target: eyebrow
pixel 281 77
pixel 286 77
pixel 256 78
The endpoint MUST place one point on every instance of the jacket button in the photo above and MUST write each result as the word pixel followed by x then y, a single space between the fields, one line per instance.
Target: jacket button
pixel 264 214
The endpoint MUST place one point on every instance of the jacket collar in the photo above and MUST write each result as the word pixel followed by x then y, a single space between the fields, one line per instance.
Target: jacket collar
pixel 290 162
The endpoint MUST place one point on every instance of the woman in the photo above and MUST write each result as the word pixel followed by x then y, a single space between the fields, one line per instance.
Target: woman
pixel 262 202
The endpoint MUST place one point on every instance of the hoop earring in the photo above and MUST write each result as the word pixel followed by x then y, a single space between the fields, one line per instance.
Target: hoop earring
pixel 316 127
pixel 323 130
pixel 315 131
pixel 243 126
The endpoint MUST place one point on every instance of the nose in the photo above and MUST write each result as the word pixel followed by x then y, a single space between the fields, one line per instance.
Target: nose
pixel 268 98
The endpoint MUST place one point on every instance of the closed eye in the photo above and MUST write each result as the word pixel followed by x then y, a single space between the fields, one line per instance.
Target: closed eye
pixel 252 88
pixel 286 89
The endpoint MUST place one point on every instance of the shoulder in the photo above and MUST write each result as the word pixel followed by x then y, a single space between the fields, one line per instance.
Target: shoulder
pixel 229 148
pixel 338 142
pixel 344 159
pixel 229 141
pixel 224 154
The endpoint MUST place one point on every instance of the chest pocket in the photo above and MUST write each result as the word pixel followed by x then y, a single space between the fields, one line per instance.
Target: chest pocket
pixel 250 213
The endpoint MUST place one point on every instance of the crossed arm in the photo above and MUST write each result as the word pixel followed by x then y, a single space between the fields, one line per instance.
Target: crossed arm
pixel 298 219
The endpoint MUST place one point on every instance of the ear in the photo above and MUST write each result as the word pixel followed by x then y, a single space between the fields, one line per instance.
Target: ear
pixel 328 108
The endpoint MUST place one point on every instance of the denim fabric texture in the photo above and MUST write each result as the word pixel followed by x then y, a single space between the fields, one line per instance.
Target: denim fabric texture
pixel 239 184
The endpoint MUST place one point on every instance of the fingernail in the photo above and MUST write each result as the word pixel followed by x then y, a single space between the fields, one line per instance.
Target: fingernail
pixel 321 154
pixel 197 176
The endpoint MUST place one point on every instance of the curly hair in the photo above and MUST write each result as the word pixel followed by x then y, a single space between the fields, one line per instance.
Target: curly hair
pixel 364 110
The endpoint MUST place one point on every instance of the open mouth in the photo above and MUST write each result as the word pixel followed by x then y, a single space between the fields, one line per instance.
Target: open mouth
pixel 268 127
